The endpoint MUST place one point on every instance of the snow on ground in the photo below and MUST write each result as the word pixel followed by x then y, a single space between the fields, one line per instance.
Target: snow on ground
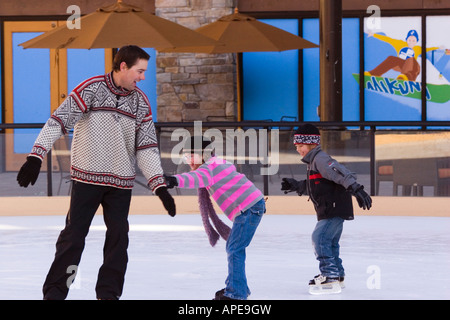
pixel 386 258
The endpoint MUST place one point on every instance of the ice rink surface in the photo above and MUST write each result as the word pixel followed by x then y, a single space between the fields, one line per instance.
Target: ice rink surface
pixel 385 258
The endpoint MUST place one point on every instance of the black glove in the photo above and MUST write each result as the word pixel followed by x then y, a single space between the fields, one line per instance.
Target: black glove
pixel 291 185
pixel 167 200
pixel 29 171
pixel 171 181
pixel 364 200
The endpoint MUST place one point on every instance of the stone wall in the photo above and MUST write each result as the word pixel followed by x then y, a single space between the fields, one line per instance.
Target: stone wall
pixel 194 86
pixel 59 7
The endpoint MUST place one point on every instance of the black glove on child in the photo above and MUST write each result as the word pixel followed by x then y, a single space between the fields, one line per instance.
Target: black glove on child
pixel 29 171
pixel 364 200
pixel 167 200
pixel 291 185
pixel 171 181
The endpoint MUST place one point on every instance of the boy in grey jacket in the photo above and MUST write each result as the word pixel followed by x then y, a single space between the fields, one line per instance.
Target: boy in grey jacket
pixel 330 186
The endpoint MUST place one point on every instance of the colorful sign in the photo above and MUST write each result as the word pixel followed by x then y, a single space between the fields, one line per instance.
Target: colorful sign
pixel 393 56
pixel 406 88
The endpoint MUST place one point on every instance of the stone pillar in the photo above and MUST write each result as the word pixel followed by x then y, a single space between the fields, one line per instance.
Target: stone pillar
pixel 194 86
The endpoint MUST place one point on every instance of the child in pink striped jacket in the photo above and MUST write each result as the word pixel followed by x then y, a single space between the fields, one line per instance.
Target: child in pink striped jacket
pixel 237 197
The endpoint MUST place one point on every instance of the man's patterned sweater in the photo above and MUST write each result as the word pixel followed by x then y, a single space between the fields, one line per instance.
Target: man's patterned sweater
pixel 113 130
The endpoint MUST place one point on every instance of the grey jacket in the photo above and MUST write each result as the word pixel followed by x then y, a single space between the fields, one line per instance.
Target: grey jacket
pixel 326 184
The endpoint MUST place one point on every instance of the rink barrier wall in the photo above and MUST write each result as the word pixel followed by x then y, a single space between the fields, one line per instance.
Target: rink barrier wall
pixel 290 205
pixel 370 127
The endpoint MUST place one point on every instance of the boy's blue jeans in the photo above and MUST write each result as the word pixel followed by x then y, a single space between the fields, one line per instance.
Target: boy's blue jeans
pixel 325 239
pixel 241 235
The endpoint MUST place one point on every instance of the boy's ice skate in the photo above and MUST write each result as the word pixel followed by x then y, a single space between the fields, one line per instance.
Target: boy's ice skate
pixel 341 281
pixel 324 285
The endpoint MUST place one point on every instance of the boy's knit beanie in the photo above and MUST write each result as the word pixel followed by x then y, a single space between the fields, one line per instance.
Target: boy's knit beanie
pixel 307 134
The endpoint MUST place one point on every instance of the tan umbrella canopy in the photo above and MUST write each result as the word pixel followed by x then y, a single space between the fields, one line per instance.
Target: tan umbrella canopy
pixel 237 33
pixel 117 25
pixel 242 33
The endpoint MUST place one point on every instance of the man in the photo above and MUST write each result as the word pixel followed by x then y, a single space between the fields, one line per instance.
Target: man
pixel 113 130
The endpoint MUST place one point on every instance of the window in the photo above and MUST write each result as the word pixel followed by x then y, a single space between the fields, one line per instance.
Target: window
pixel 271 80
pixel 311 71
pixel 350 67
pixel 438 68
pixel 149 84
pixel 31 88
pixel 392 72
pixel 38 80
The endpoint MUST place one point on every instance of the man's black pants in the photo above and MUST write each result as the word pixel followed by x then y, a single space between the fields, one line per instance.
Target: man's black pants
pixel 84 202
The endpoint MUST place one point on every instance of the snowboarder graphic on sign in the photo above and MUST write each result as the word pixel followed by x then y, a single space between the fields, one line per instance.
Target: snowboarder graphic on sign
pixel 406 61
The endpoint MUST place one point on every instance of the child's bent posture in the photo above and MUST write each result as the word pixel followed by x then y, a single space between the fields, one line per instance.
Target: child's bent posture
pixel 237 197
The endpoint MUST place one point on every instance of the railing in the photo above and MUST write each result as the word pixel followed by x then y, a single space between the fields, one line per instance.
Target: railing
pixel 366 131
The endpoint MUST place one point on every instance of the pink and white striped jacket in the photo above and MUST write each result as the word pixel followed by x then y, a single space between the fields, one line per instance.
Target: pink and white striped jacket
pixel 231 190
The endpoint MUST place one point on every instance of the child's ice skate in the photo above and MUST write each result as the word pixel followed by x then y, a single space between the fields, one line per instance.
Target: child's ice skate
pixel 341 282
pixel 324 285
pixel 220 295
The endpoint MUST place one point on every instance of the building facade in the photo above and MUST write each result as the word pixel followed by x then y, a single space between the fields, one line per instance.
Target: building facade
pixel 276 86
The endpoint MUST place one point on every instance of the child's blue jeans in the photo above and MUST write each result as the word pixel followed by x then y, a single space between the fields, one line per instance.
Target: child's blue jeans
pixel 325 239
pixel 241 235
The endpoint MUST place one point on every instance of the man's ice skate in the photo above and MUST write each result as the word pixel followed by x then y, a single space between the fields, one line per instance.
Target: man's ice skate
pixel 324 285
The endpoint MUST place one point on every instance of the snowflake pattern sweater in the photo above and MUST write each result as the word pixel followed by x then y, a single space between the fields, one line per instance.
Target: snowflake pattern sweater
pixel 231 190
pixel 113 130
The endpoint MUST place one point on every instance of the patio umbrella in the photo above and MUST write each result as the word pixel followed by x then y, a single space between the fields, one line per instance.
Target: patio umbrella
pixel 117 25
pixel 242 33
pixel 237 33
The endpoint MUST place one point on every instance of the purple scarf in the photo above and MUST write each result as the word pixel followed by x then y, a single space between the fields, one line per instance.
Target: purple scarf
pixel 207 211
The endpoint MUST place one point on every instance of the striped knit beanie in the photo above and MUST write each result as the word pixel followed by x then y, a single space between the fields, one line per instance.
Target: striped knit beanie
pixel 307 134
